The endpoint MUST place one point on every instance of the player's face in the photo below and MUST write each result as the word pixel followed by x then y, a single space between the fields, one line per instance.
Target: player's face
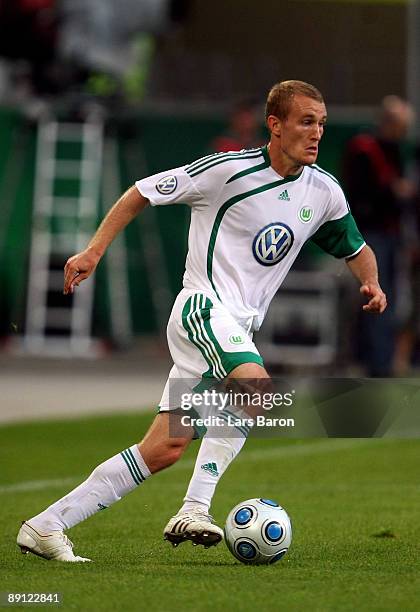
pixel 301 132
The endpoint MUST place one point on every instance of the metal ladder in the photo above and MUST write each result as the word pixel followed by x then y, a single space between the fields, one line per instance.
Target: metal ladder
pixel 68 176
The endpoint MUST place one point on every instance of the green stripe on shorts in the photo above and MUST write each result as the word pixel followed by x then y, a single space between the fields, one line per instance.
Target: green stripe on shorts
pixel 196 319
pixel 193 323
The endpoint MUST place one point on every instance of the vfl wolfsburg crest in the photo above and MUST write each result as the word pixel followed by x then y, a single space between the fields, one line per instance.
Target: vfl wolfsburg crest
pixel 236 339
pixel 167 185
pixel 272 243
pixel 305 214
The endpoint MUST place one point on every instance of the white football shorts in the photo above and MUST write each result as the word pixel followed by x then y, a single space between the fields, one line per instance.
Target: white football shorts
pixel 206 343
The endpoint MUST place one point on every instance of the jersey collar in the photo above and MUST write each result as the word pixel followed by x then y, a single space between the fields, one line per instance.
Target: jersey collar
pixel 290 177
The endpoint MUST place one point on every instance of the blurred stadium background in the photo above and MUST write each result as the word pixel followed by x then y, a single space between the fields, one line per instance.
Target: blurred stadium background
pixel 95 94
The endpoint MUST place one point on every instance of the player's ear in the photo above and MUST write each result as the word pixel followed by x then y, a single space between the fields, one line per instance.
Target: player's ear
pixel 274 125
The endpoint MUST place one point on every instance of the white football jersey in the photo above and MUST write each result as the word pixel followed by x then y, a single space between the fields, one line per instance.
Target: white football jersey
pixel 248 224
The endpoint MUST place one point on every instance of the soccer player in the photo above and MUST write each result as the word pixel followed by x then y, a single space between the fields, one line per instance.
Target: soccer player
pixel 251 213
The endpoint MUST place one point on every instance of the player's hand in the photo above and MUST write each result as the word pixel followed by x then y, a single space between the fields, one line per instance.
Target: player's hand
pixel 377 298
pixel 78 268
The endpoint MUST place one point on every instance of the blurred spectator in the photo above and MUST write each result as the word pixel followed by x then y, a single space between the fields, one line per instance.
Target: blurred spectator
pixel 410 333
pixel 101 35
pixel 55 46
pixel 378 191
pixel 28 33
pixel 244 130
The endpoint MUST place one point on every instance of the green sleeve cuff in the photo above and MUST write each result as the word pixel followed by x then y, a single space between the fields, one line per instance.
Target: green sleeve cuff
pixel 340 238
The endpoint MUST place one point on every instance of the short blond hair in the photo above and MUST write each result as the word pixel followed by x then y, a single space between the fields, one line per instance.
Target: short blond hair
pixel 280 96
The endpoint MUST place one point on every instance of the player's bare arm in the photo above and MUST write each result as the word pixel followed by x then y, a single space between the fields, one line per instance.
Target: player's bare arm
pixel 365 269
pixel 80 266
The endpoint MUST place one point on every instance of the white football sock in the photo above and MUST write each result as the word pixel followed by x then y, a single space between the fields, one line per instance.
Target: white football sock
pixel 108 483
pixel 215 455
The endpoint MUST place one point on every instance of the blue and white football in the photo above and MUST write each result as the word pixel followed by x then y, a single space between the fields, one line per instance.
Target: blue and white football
pixel 258 531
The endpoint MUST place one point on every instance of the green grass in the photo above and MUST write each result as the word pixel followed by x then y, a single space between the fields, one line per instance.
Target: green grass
pixel 354 506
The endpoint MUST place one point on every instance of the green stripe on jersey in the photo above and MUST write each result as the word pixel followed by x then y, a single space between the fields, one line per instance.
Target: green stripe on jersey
pixel 208 158
pixel 199 162
pixel 220 160
pixel 257 168
pixel 221 213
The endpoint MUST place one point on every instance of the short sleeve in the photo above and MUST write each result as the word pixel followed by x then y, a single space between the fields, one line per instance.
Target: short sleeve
pixel 338 206
pixel 339 235
pixel 170 187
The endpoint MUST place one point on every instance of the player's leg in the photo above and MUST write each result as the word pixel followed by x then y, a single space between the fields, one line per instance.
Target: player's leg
pixel 230 354
pixel 220 447
pixel 206 343
pixel 108 483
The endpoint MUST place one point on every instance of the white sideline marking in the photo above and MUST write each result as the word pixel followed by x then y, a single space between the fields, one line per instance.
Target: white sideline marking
pixel 312 448
pixel 36 485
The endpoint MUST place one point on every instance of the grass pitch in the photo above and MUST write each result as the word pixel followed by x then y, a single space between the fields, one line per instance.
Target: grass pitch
pixel 354 506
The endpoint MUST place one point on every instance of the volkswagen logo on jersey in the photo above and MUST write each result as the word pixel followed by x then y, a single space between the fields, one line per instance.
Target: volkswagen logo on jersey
pixel 272 243
pixel 167 185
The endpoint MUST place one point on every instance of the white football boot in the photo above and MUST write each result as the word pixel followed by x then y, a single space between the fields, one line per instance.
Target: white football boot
pixel 52 546
pixel 194 525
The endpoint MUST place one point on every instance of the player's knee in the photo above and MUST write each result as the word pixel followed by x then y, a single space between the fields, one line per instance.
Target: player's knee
pixel 166 454
pixel 173 453
pixel 249 371
pixel 258 382
pixel 249 383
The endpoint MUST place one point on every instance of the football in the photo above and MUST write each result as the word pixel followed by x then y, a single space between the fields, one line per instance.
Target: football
pixel 258 531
